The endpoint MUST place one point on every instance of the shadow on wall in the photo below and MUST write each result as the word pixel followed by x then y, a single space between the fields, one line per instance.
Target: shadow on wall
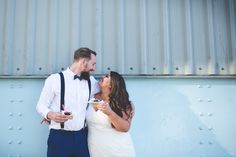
pixel 165 126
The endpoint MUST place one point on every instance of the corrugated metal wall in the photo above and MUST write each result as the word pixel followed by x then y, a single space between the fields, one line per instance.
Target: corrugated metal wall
pixel 152 37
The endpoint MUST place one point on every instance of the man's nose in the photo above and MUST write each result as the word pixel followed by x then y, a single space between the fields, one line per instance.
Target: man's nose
pixel 94 68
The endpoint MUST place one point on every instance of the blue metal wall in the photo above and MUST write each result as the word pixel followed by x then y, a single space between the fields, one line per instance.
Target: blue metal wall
pixel 151 37
pixel 175 117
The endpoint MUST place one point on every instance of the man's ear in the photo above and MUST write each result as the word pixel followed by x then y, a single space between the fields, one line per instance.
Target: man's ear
pixel 84 60
pixel 84 63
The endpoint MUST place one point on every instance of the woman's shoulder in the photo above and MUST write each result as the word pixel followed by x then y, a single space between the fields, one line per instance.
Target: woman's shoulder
pixel 132 109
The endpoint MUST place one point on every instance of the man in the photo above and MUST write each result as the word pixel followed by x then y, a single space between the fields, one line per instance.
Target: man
pixel 67 137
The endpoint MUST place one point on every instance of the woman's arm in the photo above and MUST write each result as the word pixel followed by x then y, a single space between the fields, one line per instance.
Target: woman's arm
pixel 120 123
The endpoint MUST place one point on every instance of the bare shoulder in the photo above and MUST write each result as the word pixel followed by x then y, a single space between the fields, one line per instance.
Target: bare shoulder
pixel 132 110
pixel 132 107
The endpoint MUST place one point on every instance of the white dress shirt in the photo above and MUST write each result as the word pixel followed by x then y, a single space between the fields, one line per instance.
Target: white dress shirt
pixel 76 98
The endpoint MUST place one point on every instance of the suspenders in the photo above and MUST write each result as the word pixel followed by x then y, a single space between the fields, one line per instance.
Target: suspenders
pixel 89 85
pixel 62 102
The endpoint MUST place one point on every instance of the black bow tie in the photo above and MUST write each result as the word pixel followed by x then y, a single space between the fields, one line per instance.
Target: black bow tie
pixel 77 77
pixel 83 76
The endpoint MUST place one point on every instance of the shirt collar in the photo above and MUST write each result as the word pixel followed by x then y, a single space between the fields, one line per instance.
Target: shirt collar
pixel 70 73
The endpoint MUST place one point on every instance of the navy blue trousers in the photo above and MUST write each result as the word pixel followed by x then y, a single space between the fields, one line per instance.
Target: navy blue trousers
pixel 67 143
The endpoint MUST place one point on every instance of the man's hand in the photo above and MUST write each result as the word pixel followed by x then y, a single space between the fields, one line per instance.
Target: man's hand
pixel 57 117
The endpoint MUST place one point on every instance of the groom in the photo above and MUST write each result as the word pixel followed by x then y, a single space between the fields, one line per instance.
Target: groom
pixel 67 137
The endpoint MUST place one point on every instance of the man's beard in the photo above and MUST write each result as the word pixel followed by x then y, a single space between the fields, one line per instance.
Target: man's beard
pixel 85 75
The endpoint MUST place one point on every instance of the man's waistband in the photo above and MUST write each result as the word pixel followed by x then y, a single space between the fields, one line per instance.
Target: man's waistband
pixel 66 131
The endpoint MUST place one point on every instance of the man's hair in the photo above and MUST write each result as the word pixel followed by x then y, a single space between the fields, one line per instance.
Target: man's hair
pixel 83 52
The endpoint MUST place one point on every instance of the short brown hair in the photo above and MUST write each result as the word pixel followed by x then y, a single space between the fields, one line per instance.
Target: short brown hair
pixel 83 52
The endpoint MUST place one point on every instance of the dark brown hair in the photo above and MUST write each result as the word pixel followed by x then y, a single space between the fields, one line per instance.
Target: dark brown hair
pixel 119 97
pixel 83 52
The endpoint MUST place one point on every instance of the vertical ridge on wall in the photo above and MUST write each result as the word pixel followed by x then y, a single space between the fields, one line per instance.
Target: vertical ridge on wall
pixel 53 29
pixel 222 35
pixel 144 37
pixel 154 43
pixel 109 36
pixel 178 53
pixel 34 17
pixel 19 37
pixel 41 38
pixel 99 31
pixel 8 38
pixel 132 36
pixel 166 38
pixel 88 24
pixel 121 36
pixel 135 37
pixel 64 26
pixel 2 29
pixel 71 25
pixel 189 68
pixel 232 15
pixel 212 64
pixel 29 35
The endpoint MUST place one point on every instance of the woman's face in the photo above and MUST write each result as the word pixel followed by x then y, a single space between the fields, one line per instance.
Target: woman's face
pixel 105 81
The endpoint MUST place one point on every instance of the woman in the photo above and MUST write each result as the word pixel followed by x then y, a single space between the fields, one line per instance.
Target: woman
pixel 109 121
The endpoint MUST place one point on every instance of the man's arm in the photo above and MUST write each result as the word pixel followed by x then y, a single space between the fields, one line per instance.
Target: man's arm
pixel 46 97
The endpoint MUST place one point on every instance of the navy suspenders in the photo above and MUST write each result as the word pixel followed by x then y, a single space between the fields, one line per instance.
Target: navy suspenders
pixel 62 102
pixel 89 85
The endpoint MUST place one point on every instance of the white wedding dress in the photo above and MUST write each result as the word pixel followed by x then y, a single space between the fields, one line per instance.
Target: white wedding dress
pixel 105 141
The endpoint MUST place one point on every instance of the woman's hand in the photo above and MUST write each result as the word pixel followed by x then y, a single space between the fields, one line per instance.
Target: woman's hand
pixel 105 108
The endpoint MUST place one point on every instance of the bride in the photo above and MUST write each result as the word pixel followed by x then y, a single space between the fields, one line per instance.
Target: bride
pixel 109 120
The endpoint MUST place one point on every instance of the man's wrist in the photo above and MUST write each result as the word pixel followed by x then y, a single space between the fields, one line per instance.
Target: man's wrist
pixel 48 116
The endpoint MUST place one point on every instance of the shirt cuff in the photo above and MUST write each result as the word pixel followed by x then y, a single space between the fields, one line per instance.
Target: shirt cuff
pixel 45 113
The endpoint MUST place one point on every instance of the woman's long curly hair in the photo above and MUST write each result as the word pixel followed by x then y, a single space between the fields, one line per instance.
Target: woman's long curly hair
pixel 119 97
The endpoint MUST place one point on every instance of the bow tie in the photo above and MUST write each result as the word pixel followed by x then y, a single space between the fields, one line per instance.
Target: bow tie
pixel 83 76
pixel 77 77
